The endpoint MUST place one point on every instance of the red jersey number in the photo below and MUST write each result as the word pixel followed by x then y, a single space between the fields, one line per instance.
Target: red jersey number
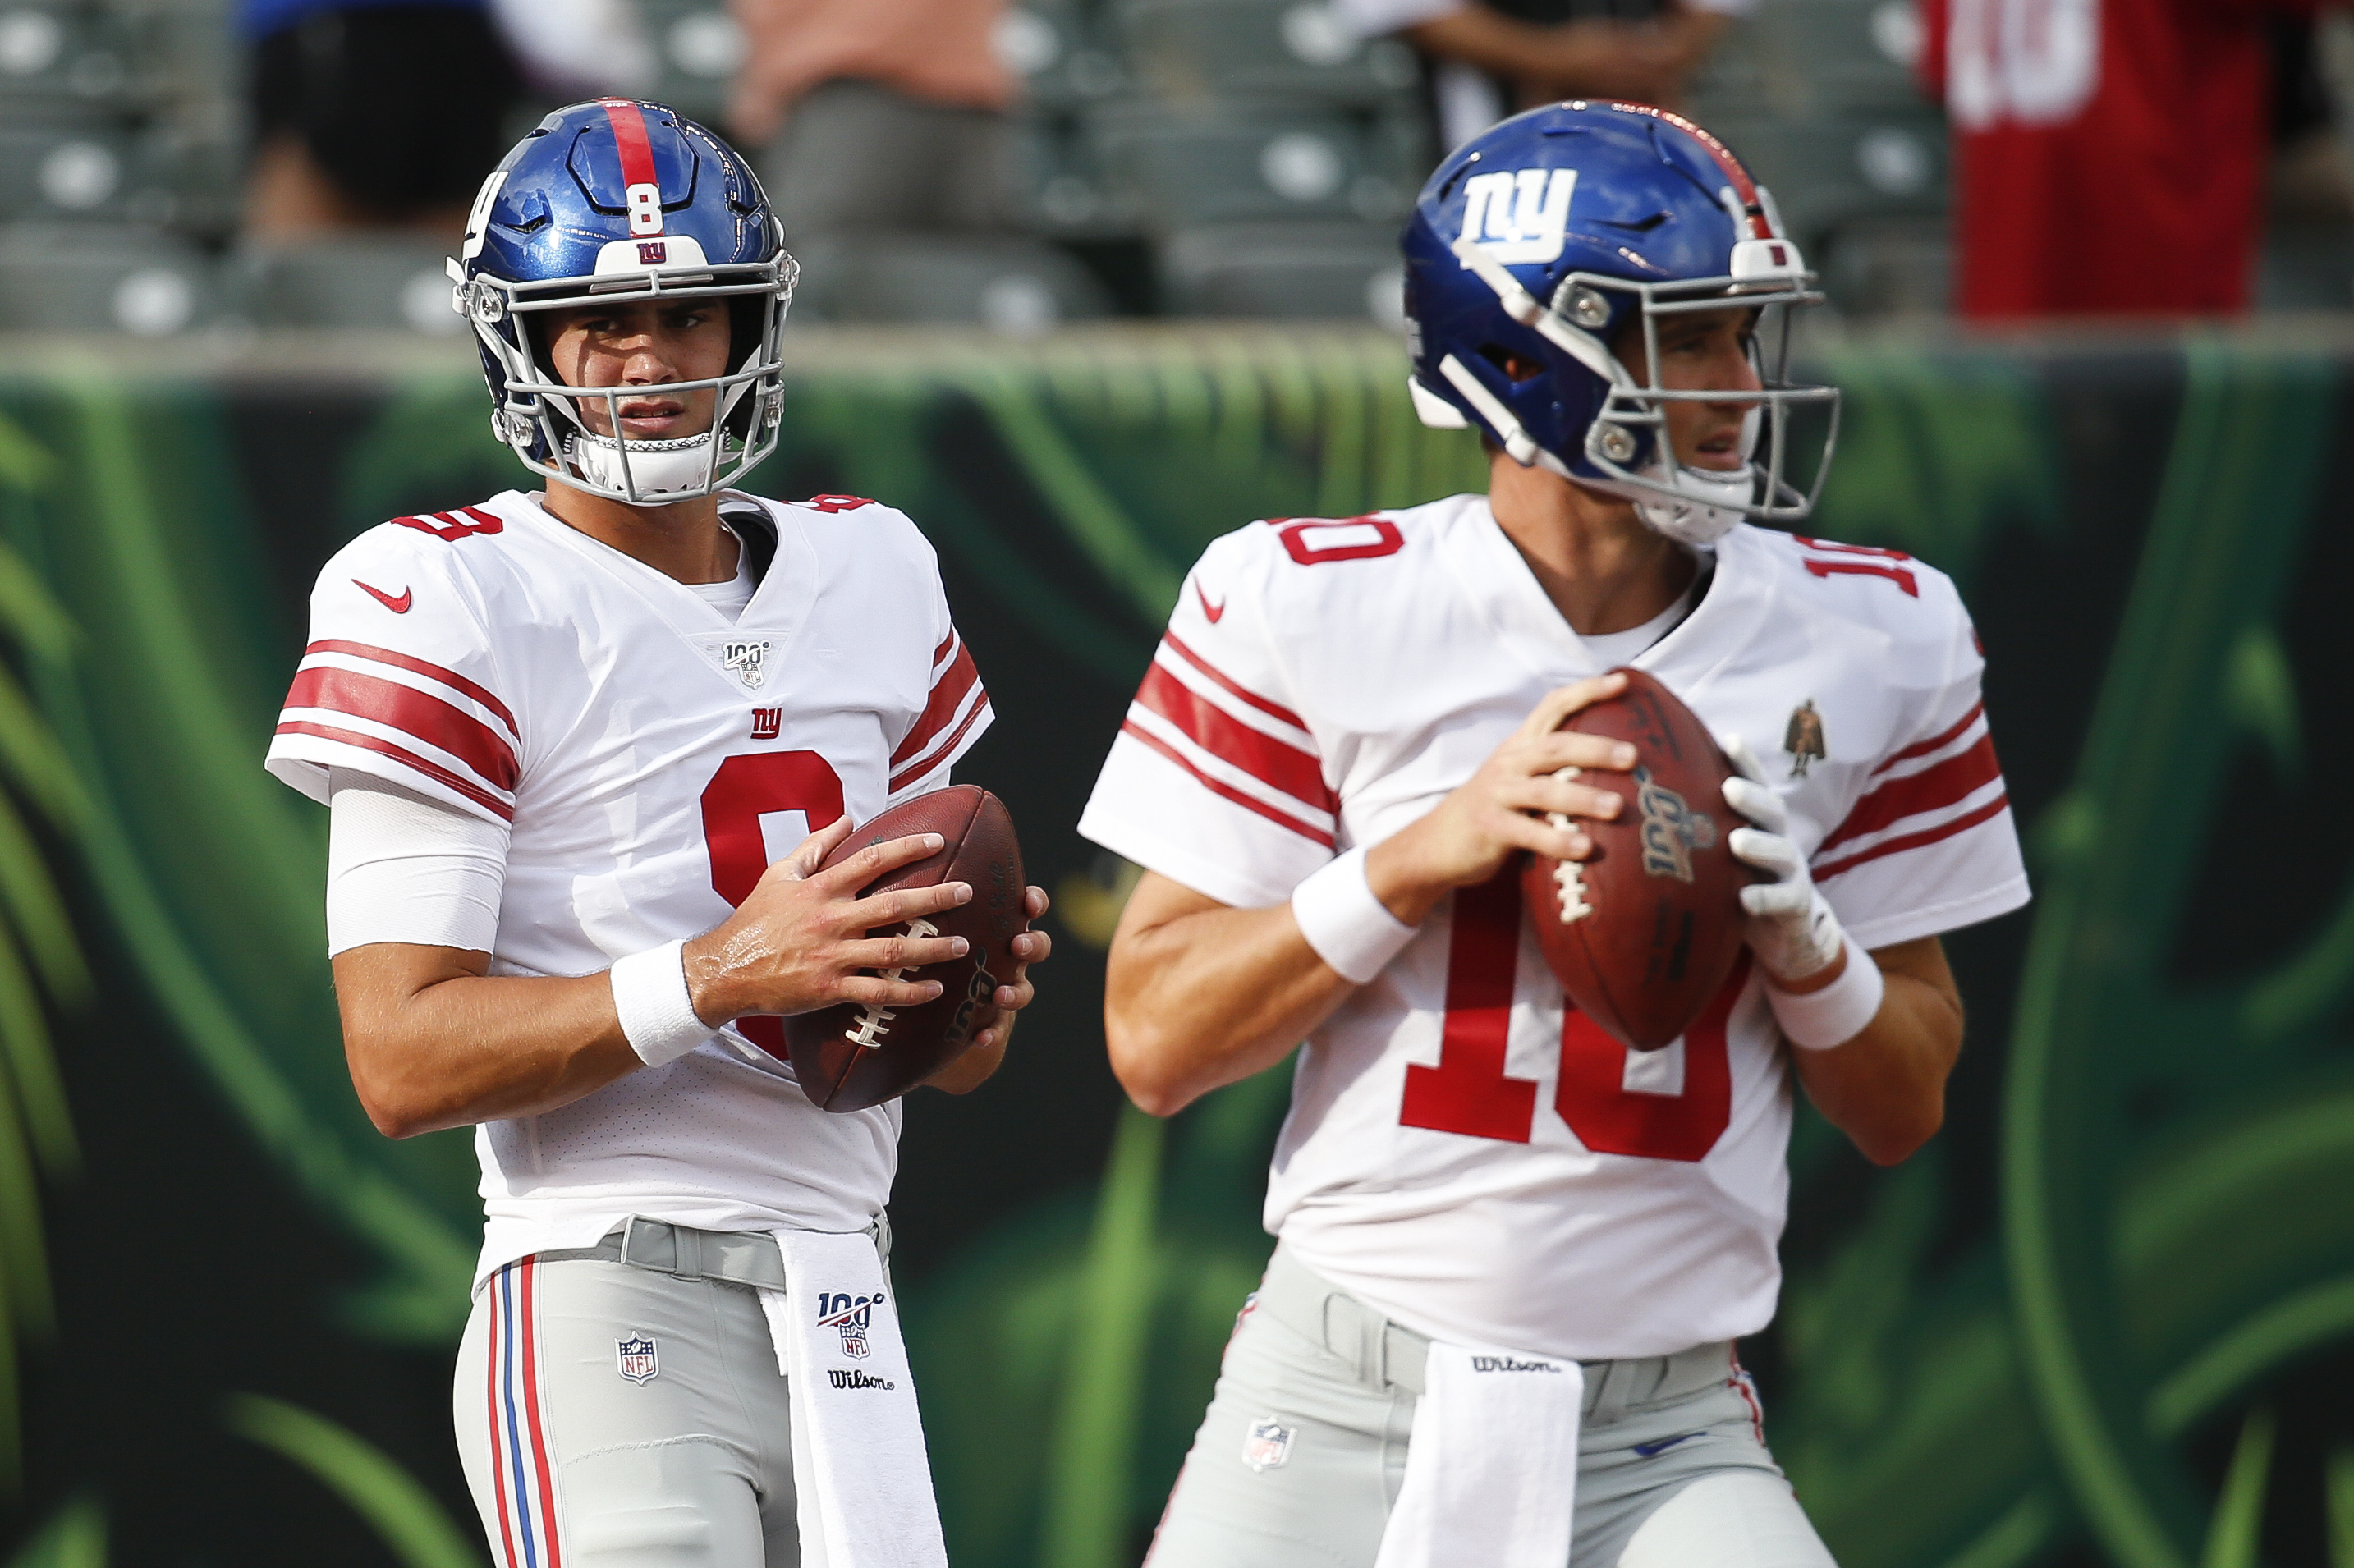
pixel 743 790
pixel 1469 1092
pixel 1314 542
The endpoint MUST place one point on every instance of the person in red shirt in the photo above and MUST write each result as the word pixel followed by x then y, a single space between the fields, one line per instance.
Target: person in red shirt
pixel 2109 155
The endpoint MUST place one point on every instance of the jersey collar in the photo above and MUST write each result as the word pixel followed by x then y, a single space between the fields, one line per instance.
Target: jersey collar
pixel 1497 580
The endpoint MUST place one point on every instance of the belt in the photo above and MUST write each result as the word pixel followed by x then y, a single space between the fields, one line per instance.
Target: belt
pixel 1387 1356
pixel 737 1257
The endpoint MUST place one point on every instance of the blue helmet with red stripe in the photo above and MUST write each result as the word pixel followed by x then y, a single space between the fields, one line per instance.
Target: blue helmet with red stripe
pixel 618 201
pixel 1540 243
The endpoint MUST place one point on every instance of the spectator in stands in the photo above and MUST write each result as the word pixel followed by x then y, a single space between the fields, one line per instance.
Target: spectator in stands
pixel 372 113
pixel 2108 159
pixel 1494 58
pixel 875 114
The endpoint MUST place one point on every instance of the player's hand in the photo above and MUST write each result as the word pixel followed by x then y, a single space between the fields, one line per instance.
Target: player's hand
pixel 800 940
pixel 1526 796
pixel 1791 929
pixel 1031 947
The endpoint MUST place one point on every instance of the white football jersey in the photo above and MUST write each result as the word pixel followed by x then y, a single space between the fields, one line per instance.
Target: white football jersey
pixel 651 756
pixel 1464 1153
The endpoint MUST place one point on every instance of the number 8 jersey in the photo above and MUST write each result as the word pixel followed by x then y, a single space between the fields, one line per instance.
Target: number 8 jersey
pixel 651 756
pixel 1464 1153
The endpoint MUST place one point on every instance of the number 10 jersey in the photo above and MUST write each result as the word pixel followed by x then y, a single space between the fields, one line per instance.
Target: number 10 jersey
pixel 1464 1152
pixel 650 757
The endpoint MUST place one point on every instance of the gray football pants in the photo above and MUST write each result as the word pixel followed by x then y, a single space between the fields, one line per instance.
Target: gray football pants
pixel 609 1416
pixel 1673 1470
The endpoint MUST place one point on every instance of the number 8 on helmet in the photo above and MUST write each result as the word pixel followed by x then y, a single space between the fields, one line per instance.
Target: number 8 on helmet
pixel 615 202
pixel 1540 241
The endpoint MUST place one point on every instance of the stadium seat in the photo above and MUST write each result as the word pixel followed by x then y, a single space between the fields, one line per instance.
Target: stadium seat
pixel 1060 50
pixel 699 46
pixel 62 66
pixel 1008 284
pixel 385 284
pixel 1845 56
pixel 1199 51
pixel 1827 173
pixel 1061 187
pixel 49 173
pixel 1240 164
pixel 1889 267
pixel 1297 270
pixel 88 278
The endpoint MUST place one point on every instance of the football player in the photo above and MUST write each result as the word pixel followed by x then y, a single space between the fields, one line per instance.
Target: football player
pixel 1513 1255
pixel 584 750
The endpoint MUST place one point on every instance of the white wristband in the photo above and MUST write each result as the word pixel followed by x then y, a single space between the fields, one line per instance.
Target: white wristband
pixel 1837 1014
pixel 1349 929
pixel 657 1015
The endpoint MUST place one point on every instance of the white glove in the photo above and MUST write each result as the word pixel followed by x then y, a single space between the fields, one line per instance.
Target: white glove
pixel 1791 929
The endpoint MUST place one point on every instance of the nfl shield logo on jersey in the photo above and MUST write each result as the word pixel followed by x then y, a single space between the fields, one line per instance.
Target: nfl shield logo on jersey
pixel 636 1356
pixel 746 659
pixel 1266 1445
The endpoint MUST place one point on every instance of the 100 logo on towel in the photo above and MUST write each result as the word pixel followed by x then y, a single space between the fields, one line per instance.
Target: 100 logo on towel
pixel 851 1314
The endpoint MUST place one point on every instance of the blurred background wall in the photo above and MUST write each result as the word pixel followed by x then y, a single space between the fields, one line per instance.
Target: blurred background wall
pixel 1110 278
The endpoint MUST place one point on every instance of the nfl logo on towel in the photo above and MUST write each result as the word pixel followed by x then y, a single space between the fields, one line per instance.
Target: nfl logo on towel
pixel 1267 1446
pixel 636 1356
pixel 850 1314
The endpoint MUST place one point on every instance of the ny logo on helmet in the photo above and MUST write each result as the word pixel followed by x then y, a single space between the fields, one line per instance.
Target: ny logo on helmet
pixel 1519 216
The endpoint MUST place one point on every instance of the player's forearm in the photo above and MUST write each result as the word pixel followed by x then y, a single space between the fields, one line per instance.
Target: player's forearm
pixel 1886 1087
pixel 1207 998
pixel 466 1048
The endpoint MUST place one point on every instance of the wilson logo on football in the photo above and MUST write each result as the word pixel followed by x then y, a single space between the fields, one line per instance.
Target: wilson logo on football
pixel 1519 216
pixel 1671 830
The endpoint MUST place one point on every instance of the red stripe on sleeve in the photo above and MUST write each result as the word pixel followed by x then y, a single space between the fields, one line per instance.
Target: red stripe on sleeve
pixel 942 651
pixel 1270 762
pixel 1946 784
pixel 948 695
pixel 1966 821
pixel 916 769
pixel 414 712
pixel 630 139
pixel 1226 791
pixel 1272 710
pixel 407 758
pixel 450 678
pixel 1934 743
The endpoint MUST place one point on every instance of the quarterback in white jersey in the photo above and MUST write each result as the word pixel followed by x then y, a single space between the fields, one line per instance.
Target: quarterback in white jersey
pixel 585 750
pixel 1346 739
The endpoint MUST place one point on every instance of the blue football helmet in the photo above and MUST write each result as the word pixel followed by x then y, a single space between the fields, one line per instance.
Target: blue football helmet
pixel 1541 239
pixel 615 201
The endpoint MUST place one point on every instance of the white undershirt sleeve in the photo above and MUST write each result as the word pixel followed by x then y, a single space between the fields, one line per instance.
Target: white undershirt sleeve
pixel 402 868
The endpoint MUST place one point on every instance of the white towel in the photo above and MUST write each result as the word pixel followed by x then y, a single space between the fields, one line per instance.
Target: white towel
pixel 1491 1465
pixel 859 1465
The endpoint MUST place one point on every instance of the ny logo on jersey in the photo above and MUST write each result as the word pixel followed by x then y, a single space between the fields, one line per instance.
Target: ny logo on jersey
pixel 636 1356
pixel 1671 830
pixel 767 722
pixel 851 1315
pixel 1517 215
pixel 746 659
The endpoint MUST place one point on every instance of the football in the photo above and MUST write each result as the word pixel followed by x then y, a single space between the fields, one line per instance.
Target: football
pixel 850 1057
pixel 1643 932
